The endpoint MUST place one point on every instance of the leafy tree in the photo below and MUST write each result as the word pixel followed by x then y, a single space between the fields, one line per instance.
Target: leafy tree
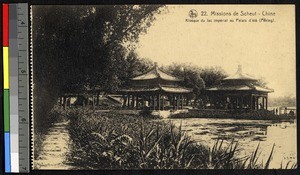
pixel 75 47
pixel 197 77
pixel 133 66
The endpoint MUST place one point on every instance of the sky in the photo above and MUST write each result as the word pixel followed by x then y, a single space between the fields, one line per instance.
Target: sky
pixel 264 49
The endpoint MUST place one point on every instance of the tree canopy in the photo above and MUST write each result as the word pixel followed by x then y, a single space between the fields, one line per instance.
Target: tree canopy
pixel 75 47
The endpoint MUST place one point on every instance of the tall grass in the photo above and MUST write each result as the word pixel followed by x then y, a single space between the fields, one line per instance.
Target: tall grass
pixel 114 141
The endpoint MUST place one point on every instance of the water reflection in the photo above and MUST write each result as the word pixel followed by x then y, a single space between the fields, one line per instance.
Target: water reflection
pixel 249 133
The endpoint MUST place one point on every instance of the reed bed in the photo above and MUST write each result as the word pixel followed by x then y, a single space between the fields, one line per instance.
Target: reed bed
pixel 114 141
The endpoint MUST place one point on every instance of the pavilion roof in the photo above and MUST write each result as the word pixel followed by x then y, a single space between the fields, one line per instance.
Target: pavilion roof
pixel 240 88
pixel 156 73
pixel 239 75
pixel 167 89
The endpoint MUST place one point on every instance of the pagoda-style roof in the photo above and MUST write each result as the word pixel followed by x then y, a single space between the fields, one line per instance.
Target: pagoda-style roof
pixel 240 82
pixel 154 74
pixel 239 75
pixel 240 88
pixel 168 89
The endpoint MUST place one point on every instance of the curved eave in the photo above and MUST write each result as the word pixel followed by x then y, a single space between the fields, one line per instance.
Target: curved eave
pixel 145 79
pixel 175 90
pixel 255 88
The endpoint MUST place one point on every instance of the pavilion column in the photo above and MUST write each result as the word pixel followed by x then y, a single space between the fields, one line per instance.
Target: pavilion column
pixel 137 102
pixel 256 101
pixel 97 100
pixel 64 102
pixel 143 102
pixel 177 101
pixel 128 101
pixel 266 103
pixel 153 102
pixel 124 101
pixel 250 102
pixel 149 101
pixel 181 101
pixel 187 100
pixel 163 103
pixel 158 101
pixel 174 105
pixel 60 101
pixel 263 102
pixel 132 101
pixel 242 102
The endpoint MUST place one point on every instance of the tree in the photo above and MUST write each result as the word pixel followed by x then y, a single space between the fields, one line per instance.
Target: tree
pixel 82 46
pixel 133 66
pixel 190 75
pixel 197 77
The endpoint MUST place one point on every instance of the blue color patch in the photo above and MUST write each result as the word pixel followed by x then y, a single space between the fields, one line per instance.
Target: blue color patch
pixel 7 152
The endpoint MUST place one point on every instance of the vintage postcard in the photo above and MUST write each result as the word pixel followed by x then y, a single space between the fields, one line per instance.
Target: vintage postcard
pixel 163 87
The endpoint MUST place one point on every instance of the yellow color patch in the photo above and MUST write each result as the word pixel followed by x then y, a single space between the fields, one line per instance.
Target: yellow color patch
pixel 5 68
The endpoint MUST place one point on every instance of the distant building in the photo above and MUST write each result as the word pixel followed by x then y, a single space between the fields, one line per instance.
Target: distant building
pixel 155 90
pixel 239 91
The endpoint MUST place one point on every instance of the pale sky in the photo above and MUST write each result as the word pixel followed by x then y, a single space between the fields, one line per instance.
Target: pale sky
pixel 263 49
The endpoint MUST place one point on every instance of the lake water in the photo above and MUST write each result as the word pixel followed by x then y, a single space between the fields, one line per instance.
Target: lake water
pixel 249 133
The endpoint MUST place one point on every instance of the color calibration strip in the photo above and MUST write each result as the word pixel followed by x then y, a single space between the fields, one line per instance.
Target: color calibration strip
pixel 16 87
pixel 5 32
pixel 13 88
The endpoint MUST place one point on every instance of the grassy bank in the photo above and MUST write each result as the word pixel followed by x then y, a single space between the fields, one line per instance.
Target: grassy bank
pixel 130 141
pixel 249 115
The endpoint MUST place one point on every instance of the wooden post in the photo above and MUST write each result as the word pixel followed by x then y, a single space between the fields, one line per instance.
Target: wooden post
pixel 132 102
pixel 149 101
pixel 256 101
pixel 158 101
pixel 181 101
pixel 153 102
pixel 174 105
pixel 267 103
pixel 137 102
pixel 177 101
pixel 124 101
pixel 97 100
pixel 93 102
pixel 60 101
pixel 163 103
pixel 128 101
pixel 64 102
pixel 251 102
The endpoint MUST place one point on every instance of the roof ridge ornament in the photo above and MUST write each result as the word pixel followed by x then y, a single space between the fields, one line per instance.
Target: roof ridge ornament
pixel 239 70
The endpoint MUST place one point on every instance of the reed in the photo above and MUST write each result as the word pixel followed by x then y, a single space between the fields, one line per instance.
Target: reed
pixel 113 141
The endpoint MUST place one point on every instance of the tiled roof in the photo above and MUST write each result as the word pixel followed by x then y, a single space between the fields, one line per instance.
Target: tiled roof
pixel 176 89
pixel 239 88
pixel 239 75
pixel 156 73
pixel 169 89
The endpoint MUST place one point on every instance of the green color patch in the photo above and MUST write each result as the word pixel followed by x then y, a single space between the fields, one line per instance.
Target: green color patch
pixel 6 110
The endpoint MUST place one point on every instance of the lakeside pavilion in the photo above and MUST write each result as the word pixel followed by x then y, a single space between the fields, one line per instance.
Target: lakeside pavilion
pixel 155 90
pixel 239 91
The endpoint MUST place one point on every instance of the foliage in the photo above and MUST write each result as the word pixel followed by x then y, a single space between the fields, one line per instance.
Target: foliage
pixel 108 140
pixel 197 77
pixel 114 141
pixel 288 101
pixel 133 66
pixel 80 47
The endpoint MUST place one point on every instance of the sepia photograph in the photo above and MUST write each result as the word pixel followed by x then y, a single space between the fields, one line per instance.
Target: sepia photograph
pixel 119 87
